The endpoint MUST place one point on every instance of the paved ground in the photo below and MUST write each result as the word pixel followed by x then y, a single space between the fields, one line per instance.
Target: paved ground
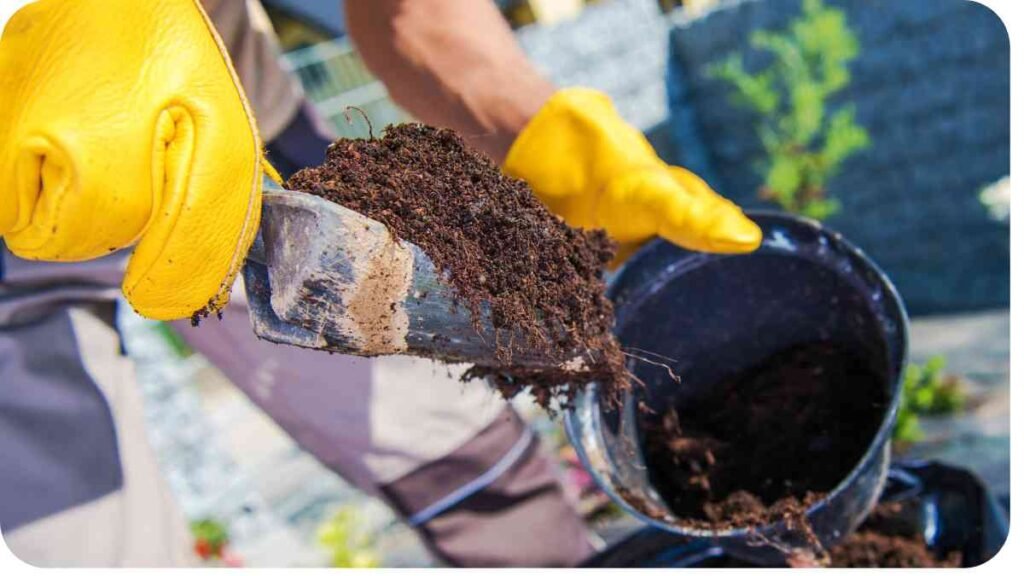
pixel 977 347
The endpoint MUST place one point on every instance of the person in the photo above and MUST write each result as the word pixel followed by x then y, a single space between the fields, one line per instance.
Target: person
pixel 133 140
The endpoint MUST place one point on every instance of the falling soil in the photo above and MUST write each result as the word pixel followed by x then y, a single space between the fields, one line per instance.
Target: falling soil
pixel 766 444
pixel 497 246
pixel 884 541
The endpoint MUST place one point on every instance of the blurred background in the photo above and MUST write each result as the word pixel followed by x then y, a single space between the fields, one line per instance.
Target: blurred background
pixel 897 137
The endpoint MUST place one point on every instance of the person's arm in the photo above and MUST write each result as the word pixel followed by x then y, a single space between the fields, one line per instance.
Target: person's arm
pixel 452 63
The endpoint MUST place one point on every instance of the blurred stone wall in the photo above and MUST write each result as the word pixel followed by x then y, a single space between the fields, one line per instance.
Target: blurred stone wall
pixel 618 46
pixel 931 86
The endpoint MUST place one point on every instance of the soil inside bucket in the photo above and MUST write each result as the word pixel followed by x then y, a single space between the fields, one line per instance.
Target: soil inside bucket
pixel 495 243
pixel 766 444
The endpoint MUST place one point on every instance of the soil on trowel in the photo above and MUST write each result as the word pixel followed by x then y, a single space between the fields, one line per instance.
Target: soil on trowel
pixel 884 541
pixel 766 444
pixel 496 245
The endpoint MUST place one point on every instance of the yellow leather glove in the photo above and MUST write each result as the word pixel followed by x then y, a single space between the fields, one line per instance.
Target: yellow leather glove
pixel 596 171
pixel 122 123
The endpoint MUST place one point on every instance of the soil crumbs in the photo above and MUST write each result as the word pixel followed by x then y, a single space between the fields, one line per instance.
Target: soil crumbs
pixel 883 541
pixel 767 443
pixel 887 539
pixel 495 243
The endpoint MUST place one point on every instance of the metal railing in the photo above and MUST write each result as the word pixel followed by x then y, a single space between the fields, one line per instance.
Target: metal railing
pixel 335 78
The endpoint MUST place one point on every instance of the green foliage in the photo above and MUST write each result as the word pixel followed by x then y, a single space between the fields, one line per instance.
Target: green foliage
pixel 174 340
pixel 804 146
pixel 927 391
pixel 348 543
pixel 210 531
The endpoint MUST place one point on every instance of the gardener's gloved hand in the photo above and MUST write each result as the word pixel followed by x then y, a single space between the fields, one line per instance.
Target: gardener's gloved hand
pixel 122 123
pixel 596 171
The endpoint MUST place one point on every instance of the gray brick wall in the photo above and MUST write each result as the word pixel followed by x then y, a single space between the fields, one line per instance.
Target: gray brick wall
pixel 931 86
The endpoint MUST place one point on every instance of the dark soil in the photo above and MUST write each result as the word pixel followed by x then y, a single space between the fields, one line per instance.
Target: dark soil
pixel 874 550
pixel 883 541
pixel 496 244
pixel 768 443
pixel 889 538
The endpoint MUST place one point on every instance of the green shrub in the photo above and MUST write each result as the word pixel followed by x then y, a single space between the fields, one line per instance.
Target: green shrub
pixel 211 536
pixel 803 144
pixel 927 391
pixel 348 542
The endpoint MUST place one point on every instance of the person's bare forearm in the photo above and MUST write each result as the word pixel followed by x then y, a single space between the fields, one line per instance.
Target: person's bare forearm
pixel 452 63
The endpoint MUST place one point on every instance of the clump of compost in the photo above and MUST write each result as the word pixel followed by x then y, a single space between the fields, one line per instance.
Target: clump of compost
pixel 886 540
pixel 766 444
pixel 496 245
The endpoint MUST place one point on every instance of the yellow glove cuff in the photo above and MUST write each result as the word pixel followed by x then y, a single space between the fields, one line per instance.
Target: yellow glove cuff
pixel 588 165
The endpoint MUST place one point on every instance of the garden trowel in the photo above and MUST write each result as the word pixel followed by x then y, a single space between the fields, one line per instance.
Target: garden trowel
pixel 324 277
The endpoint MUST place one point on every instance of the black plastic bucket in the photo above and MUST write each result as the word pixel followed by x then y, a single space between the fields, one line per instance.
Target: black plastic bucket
pixel 715 315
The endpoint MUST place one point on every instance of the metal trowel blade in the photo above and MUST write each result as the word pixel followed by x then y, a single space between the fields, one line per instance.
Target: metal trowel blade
pixel 324 277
